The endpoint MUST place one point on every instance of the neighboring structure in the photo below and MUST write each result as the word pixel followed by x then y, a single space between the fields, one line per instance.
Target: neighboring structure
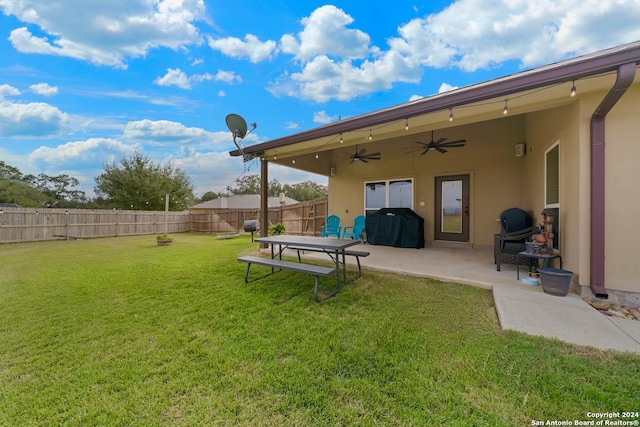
pixel 534 140
pixel 244 201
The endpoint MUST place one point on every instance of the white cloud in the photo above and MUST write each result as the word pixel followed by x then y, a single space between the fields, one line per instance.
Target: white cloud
pixel 177 77
pixel 34 119
pixel 446 87
pixel 44 89
pixel 8 90
pixel 323 117
pixel 94 151
pixel 251 48
pixel 174 77
pixel 168 133
pixel 325 33
pixel 227 77
pixel 101 32
pixel 475 34
pixel 291 125
pixel 337 62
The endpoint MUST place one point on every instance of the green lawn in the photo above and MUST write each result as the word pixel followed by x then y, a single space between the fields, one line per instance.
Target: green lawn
pixel 121 332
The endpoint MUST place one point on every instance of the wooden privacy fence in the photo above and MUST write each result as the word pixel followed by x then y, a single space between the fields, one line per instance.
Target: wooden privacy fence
pixel 304 219
pixel 30 224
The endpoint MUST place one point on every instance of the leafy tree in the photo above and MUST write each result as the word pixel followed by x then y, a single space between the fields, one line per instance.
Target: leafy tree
pixel 307 190
pixel 38 191
pixel 136 182
pixel 209 195
pixel 59 190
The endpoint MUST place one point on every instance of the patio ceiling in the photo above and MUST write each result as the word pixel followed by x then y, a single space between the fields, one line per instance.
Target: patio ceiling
pixel 529 91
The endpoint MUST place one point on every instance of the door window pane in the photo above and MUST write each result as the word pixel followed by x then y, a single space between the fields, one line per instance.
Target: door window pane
pixel 451 218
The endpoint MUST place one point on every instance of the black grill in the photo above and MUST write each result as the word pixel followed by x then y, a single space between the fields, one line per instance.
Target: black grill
pixel 251 225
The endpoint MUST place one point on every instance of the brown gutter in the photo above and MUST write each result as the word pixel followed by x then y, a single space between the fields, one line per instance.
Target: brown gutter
pixel 566 71
pixel 626 74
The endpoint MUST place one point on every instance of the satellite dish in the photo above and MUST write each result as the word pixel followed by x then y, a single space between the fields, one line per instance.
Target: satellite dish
pixel 238 127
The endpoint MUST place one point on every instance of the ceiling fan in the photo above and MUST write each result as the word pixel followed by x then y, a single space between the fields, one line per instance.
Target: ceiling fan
pixel 363 157
pixel 440 144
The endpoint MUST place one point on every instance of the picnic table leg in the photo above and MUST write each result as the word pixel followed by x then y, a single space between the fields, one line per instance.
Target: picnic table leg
pixel 246 274
pixel 344 267
pixel 337 260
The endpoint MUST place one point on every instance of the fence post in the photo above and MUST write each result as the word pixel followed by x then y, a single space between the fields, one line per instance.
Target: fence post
pixel 66 213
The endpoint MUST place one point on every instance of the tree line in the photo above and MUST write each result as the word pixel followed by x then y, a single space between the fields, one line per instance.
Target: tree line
pixel 134 182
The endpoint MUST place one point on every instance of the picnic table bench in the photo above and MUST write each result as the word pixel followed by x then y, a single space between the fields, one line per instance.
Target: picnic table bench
pixel 315 270
pixel 347 252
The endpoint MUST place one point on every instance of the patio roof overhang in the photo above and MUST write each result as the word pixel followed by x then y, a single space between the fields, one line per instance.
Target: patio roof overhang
pixel 544 87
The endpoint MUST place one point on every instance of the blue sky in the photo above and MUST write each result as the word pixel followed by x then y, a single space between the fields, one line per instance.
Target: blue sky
pixel 88 82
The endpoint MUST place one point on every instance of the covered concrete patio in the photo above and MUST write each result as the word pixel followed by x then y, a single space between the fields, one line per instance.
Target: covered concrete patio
pixel 448 262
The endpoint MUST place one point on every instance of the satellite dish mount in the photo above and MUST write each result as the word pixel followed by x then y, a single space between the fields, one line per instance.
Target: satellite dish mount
pixel 238 127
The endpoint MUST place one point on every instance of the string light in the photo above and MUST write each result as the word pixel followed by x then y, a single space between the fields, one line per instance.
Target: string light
pixel 505 110
pixel 573 89
pixel 406 124
pixel 293 161
pixel 450 115
pixel 316 154
pixel 341 140
pixel 370 135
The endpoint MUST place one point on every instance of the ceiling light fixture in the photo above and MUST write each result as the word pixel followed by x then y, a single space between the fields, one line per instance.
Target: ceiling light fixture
pixel 505 110
pixel 406 124
pixel 450 115
pixel 573 89
pixel 341 140
pixel 370 135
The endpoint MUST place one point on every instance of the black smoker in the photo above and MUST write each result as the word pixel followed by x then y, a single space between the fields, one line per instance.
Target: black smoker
pixel 251 225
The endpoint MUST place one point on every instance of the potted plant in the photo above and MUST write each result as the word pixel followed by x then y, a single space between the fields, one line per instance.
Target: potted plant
pixel 163 239
pixel 277 229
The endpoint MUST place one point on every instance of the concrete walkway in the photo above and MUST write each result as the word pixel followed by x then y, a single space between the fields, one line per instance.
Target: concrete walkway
pixel 568 319
pixel 520 307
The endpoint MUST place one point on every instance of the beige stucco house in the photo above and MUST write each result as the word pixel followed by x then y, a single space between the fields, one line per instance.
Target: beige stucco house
pixel 530 140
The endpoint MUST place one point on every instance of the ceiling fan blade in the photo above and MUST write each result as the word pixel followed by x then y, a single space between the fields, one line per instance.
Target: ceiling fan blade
pixel 452 143
pixel 442 150
pixel 440 141
pixel 426 150
pixel 363 160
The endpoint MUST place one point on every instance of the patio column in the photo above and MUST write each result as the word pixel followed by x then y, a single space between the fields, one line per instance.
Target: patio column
pixel 264 199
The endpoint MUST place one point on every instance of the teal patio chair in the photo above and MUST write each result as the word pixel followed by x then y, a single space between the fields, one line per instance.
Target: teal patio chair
pixel 332 227
pixel 355 232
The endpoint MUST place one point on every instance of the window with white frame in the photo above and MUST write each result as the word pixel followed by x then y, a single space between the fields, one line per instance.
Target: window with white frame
pixel 552 177
pixel 395 193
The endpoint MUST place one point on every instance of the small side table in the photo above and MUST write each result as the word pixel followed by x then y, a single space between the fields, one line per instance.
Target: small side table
pixel 531 255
